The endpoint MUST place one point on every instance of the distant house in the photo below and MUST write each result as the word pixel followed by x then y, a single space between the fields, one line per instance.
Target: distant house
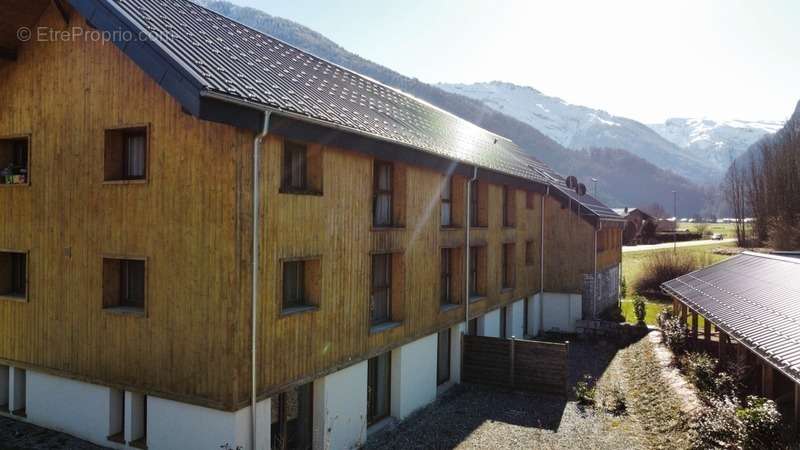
pixel 635 219
pixel 751 302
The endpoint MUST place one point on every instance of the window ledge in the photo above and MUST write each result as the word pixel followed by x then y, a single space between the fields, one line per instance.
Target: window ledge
pixel 125 311
pixel 477 299
pixel 381 327
pixel 291 191
pixel 449 307
pixel 119 438
pixel 12 185
pixel 298 310
pixel 117 182
pixel 388 228
pixel 450 227
pixel 15 298
pixel 139 443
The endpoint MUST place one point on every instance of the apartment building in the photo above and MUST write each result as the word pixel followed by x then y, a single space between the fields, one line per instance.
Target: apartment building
pixel 212 238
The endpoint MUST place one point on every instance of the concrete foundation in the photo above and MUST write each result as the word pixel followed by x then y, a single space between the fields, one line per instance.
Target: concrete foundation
pixel 489 324
pixel 561 311
pixel 340 409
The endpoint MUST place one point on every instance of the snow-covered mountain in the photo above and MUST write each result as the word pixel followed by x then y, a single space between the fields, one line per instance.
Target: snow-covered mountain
pixel 578 127
pixel 719 142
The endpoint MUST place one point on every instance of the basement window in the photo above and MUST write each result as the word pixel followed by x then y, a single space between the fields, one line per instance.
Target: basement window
pixel 14 275
pixel 14 161
pixel 443 357
pixel 301 285
pixel 378 387
pixel 124 285
pixel 302 169
pixel 126 154
pixel 293 418
pixel 4 378
pixel 17 393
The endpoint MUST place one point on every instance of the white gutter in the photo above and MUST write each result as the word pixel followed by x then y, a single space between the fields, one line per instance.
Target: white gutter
pixel 254 275
pixel 467 223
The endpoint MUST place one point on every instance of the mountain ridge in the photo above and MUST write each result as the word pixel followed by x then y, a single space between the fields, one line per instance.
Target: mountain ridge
pixel 614 190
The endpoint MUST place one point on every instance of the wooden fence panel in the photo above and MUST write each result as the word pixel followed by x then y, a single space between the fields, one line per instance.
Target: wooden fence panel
pixel 516 364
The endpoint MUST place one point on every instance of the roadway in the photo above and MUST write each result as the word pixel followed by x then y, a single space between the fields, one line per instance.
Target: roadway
pixel 668 245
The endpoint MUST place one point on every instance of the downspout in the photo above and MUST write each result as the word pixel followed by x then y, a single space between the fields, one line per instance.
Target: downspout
pixel 254 275
pixel 467 223
pixel 541 267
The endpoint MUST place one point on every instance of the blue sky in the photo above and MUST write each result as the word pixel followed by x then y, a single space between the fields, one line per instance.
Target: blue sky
pixel 647 60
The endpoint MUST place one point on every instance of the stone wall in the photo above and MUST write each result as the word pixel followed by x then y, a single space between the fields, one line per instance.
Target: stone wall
pixel 607 292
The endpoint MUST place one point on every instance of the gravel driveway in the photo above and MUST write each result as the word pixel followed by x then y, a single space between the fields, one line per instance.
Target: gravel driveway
pixel 472 417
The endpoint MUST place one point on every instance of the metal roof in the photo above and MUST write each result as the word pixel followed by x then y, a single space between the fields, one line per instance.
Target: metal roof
pixel 232 62
pixel 755 298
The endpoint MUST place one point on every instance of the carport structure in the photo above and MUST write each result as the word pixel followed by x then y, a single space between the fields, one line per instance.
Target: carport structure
pixel 752 300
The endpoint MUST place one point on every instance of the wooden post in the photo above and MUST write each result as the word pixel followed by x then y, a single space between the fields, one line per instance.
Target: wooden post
pixel 694 325
pixel 796 418
pixel 675 305
pixel 707 331
pixel 723 348
pixel 683 313
pixel 767 380
pixel 512 362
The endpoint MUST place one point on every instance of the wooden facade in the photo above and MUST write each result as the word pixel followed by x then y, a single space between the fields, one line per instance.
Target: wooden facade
pixel 189 219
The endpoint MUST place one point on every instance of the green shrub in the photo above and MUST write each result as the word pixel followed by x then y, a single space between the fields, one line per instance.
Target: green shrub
pixel 614 400
pixel 664 315
pixel 675 334
pixel 639 308
pixel 612 314
pixel 761 421
pixel 585 390
pixel 664 266
pixel 623 287
pixel 715 425
pixel 700 370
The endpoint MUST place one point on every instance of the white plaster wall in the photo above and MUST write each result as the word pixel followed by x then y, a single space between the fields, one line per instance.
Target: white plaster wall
pixel 340 409
pixel 455 352
pixel 534 314
pixel 4 386
pixel 174 426
pixel 134 416
pixel 413 376
pixel 80 409
pixel 560 311
pixel 516 319
pixel 17 389
pixel 491 324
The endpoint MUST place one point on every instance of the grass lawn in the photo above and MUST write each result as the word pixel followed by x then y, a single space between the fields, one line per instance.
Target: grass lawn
pixel 728 230
pixel 632 266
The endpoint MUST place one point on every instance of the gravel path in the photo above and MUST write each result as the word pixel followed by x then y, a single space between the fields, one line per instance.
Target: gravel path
pixel 472 417
pixel 16 435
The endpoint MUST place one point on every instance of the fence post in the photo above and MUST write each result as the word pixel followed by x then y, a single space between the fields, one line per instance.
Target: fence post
pixel 512 362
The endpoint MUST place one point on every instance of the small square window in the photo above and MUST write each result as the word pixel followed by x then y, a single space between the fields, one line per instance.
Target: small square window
pixel 124 284
pixel 126 154
pixel 13 275
pixel 14 161
pixel 301 285
pixel 302 169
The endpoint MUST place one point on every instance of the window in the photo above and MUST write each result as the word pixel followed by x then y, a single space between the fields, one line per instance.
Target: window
pixel 472 327
pixel 293 418
pixel 446 286
pixel 378 387
pixel 13 275
pixel 447 202
pixel 477 270
pixel 4 378
pixel 508 207
pixel 443 358
pixel 116 409
pixel 17 393
pixel 126 154
pixel 302 169
pixel 530 257
pixel 381 301
pixel 383 185
pixel 530 200
pixel 301 285
pixel 508 266
pixel 14 161
pixel 503 322
pixel 124 284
